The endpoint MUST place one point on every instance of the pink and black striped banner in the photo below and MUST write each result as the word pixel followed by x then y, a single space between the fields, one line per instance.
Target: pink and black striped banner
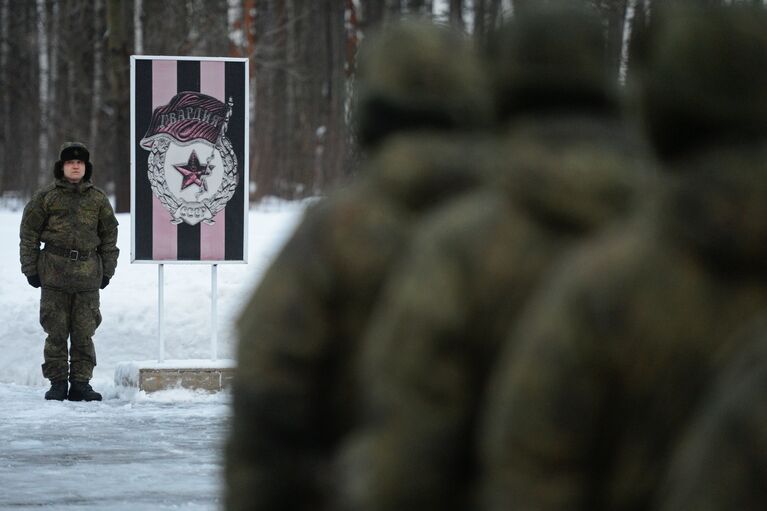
pixel 189 129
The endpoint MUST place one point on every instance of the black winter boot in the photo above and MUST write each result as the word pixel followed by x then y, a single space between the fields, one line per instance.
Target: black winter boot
pixel 58 391
pixel 82 391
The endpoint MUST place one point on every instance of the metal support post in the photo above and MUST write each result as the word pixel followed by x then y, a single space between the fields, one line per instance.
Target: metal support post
pixel 214 312
pixel 161 311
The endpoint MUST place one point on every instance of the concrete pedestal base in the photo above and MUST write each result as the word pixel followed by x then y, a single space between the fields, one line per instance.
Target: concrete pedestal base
pixel 151 376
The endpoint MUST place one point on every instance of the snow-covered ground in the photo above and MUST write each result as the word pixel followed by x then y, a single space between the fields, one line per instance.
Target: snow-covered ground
pixel 133 450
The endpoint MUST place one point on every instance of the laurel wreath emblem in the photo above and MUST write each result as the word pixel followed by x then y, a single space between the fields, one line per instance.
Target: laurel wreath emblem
pixel 194 212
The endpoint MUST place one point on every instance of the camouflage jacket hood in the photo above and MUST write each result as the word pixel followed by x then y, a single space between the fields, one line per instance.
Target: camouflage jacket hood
pixel 717 206
pixel 79 187
pixel 419 170
pixel 591 169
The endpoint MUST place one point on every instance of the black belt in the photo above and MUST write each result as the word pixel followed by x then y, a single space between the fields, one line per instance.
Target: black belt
pixel 71 254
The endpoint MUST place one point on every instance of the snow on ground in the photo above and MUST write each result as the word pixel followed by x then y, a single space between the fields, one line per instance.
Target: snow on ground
pixel 133 450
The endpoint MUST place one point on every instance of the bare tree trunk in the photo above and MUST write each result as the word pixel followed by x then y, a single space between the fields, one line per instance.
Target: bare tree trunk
pixel 395 9
pixel 42 84
pixel 23 102
pixel 352 34
pixel 5 127
pixel 120 87
pixel 192 8
pixel 415 6
pixel 98 71
pixel 372 13
pixel 456 13
pixel 614 14
pixel 523 5
pixel 55 61
pixel 495 15
pixel 321 127
pixel 306 94
pixel 268 119
pixel 166 29
pixel 73 75
pixel 242 44
pixel 335 123
pixel 284 173
pixel 636 32
pixel 509 8
pixel 480 19
pixel 213 36
pixel 628 23
pixel 138 27
pixel 647 10
pixel 293 139
pixel 234 19
pixel 351 155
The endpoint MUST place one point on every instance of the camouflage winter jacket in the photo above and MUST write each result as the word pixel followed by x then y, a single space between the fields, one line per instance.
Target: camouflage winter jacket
pixel 721 461
pixel 294 393
pixel 595 386
pixel 442 316
pixel 65 217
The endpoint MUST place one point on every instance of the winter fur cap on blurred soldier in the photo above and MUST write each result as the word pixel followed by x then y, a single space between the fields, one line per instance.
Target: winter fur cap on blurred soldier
pixel 73 151
pixel 418 75
pixel 705 79
pixel 550 56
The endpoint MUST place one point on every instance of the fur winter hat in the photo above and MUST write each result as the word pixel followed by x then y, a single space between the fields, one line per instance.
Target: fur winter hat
pixel 416 75
pixel 551 56
pixel 706 78
pixel 73 151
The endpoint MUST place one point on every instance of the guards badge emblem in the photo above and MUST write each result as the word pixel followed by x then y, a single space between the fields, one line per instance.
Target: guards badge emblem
pixel 191 164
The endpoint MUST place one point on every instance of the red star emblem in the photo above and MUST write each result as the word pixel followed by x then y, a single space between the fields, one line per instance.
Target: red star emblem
pixel 194 173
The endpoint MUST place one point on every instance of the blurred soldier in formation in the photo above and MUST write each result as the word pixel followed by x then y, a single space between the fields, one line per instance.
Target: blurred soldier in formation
pixel 596 385
pixel 567 166
pixel 420 90
pixel 721 462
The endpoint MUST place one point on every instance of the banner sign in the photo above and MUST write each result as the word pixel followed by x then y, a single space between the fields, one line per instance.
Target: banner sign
pixel 189 125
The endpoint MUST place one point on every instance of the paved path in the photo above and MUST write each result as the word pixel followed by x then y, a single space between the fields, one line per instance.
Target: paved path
pixel 125 453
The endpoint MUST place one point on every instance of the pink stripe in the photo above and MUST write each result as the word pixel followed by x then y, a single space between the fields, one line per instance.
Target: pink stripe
pixel 212 79
pixel 164 233
pixel 163 82
pixel 212 237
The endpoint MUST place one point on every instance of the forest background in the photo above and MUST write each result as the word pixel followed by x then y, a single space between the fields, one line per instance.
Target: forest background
pixel 65 75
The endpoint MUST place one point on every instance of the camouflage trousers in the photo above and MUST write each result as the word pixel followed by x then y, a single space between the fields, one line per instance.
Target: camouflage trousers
pixel 73 316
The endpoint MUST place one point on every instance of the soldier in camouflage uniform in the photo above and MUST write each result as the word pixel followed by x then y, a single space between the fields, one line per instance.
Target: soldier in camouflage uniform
pixel 721 463
pixel 567 166
pixel 419 89
pixel 594 387
pixel 78 227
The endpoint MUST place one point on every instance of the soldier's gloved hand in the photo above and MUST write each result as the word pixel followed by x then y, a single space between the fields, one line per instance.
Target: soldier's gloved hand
pixel 34 280
pixel 104 282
